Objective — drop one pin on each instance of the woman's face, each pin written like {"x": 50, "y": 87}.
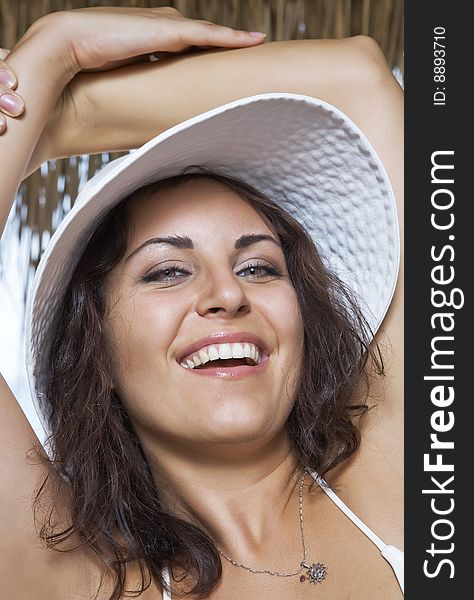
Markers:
{"x": 203, "y": 279}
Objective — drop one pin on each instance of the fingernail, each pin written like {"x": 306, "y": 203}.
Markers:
{"x": 7, "y": 78}
{"x": 257, "y": 34}
{"x": 11, "y": 104}
{"x": 2, "y": 122}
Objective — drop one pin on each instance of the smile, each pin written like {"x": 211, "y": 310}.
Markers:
{"x": 226, "y": 354}
{"x": 232, "y": 354}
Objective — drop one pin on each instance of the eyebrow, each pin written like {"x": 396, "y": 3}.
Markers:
{"x": 176, "y": 241}
{"x": 248, "y": 240}
{"x": 186, "y": 243}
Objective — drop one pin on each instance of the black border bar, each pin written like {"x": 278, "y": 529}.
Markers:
{"x": 439, "y": 430}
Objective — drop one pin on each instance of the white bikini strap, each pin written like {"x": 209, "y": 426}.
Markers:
{"x": 346, "y": 510}
{"x": 166, "y": 576}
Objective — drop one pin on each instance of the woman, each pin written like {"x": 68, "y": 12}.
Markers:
{"x": 249, "y": 511}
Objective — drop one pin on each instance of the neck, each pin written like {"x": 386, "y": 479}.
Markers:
{"x": 240, "y": 495}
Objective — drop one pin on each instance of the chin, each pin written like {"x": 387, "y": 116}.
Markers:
{"x": 239, "y": 422}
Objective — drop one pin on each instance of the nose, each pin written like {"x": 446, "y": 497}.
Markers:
{"x": 222, "y": 295}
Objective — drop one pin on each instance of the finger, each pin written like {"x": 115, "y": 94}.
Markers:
{"x": 11, "y": 104}
{"x": 212, "y": 35}
{"x": 3, "y": 124}
{"x": 7, "y": 75}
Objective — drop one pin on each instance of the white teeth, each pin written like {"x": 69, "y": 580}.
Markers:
{"x": 237, "y": 351}
{"x": 203, "y": 357}
{"x": 225, "y": 350}
{"x": 213, "y": 353}
{"x": 222, "y": 351}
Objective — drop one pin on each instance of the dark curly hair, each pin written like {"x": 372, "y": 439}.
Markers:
{"x": 115, "y": 505}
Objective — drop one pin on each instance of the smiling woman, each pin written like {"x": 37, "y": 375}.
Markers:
{"x": 207, "y": 338}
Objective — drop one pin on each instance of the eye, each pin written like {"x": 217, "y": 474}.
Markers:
{"x": 259, "y": 271}
{"x": 169, "y": 274}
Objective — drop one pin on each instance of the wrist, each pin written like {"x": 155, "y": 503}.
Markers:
{"x": 42, "y": 71}
{"x": 46, "y": 39}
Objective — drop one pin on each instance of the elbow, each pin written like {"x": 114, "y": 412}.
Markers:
{"x": 365, "y": 44}
{"x": 370, "y": 64}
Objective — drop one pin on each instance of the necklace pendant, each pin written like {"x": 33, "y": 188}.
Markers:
{"x": 316, "y": 573}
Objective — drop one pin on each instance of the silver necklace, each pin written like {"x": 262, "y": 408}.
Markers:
{"x": 315, "y": 572}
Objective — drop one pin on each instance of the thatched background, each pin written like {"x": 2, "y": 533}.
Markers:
{"x": 47, "y": 195}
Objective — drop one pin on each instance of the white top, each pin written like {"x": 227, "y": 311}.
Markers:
{"x": 393, "y": 555}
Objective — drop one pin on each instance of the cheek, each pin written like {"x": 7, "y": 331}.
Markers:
{"x": 140, "y": 331}
{"x": 287, "y": 321}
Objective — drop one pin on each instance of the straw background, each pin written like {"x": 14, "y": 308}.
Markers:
{"x": 48, "y": 194}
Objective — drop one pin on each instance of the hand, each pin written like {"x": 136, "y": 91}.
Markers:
{"x": 104, "y": 38}
{"x": 11, "y": 104}
{"x": 101, "y": 39}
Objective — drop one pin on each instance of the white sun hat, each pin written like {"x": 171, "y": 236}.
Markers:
{"x": 303, "y": 153}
